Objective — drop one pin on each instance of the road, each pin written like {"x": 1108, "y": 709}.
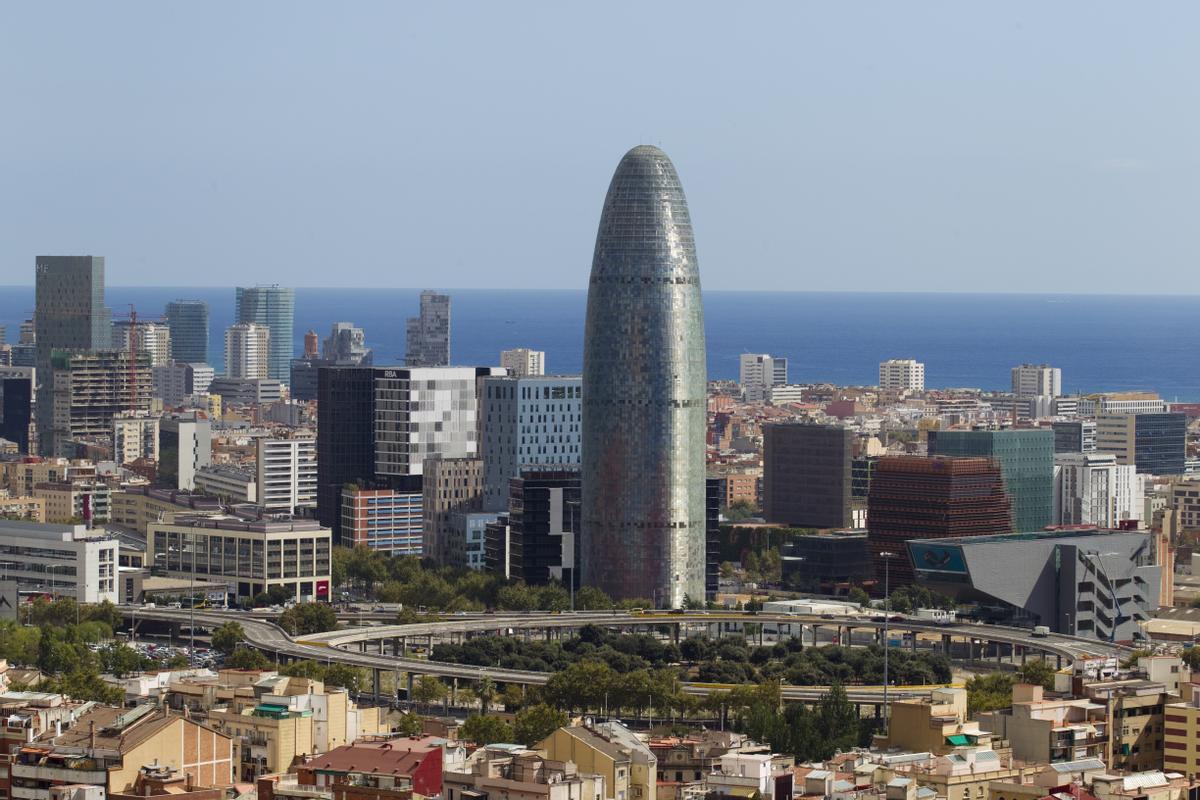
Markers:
{"x": 343, "y": 646}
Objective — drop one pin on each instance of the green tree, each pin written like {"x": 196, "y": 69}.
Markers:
{"x": 553, "y": 597}
{"x": 534, "y": 723}
{"x": 1191, "y": 657}
{"x": 516, "y": 597}
{"x": 1037, "y": 672}
{"x": 483, "y": 730}
{"x": 989, "y": 692}
{"x": 589, "y": 598}
{"x": 728, "y": 571}
{"x": 410, "y": 724}
{"x": 428, "y": 689}
{"x": 352, "y": 679}
{"x": 305, "y": 618}
{"x": 246, "y": 658}
{"x": 487, "y": 694}
{"x": 121, "y": 660}
{"x": 858, "y": 595}
{"x": 513, "y": 697}
{"x": 583, "y": 685}
{"x": 226, "y": 638}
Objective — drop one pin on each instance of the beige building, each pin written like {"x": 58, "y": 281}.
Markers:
{"x": 254, "y": 555}
{"x": 19, "y": 477}
{"x": 1135, "y": 722}
{"x": 1181, "y": 736}
{"x": 32, "y": 509}
{"x": 109, "y": 746}
{"x": 522, "y": 775}
{"x": 137, "y": 507}
{"x": 936, "y": 725}
{"x": 135, "y": 436}
{"x": 1185, "y": 500}
{"x": 1047, "y": 731}
{"x": 451, "y": 486}
{"x": 73, "y": 501}
{"x": 628, "y": 766}
{"x": 962, "y": 775}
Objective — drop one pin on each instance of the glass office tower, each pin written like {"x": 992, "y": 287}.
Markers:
{"x": 188, "y": 321}
{"x": 643, "y": 473}
{"x": 274, "y": 307}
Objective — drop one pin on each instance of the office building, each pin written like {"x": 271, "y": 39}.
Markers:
{"x": 523, "y": 362}
{"x": 931, "y": 498}
{"x": 345, "y": 438}
{"x": 60, "y": 560}
{"x": 253, "y": 555}
{"x": 184, "y": 447}
{"x": 474, "y": 533}
{"x": 287, "y": 473}
{"x": 1026, "y": 458}
{"x": 70, "y": 316}
{"x": 452, "y": 486}
{"x": 272, "y": 307}
{"x": 391, "y": 521}
{"x": 89, "y": 389}
{"x": 1074, "y": 436}
{"x": 429, "y": 332}
{"x": 902, "y": 375}
{"x": 81, "y": 500}
{"x": 151, "y": 338}
{"x": 177, "y": 383}
{"x": 758, "y": 373}
{"x": 248, "y": 351}
{"x": 425, "y": 413}
{"x": 16, "y": 406}
{"x": 807, "y": 475}
{"x": 138, "y": 507}
{"x": 246, "y": 391}
{"x": 1096, "y": 583}
{"x": 527, "y": 422}
{"x": 543, "y": 516}
{"x": 188, "y": 321}
{"x": 135, "y": 436}
{"x": 1036, "y": 380}
{"x": 346, "y": 344}
{"x": 826, "y": 561}
{"x": 1093, "y": 489}
{"x": 1185, "y": 500}
{"x": 644, "y": 392}
{"x": 228, "y": 483}
{"x": 1121, "y": 403}
{"x": 1156, "y": 443}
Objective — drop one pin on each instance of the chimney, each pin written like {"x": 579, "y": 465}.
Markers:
{"x": 92, "y": 734}
{"x": 188, "y": 781}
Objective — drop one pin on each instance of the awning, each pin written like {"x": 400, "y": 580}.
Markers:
{"x": 958, "y": 740}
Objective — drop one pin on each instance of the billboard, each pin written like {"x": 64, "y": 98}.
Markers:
{"x": 9, "y": 600}
{"x": 929, "y": 556}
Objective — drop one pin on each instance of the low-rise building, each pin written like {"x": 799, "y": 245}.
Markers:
{"x": 628, "y": 765}
{"x": 507, "y": 771}
{"x": 229, "y": 483}
{"x": 937, "y": 724}
{"x": 32, "y": 509}
{"x": 136, "y": 507}
{"x": 1047, "y": 731}
{"x": 75, "y": 501}
{"x": 61, "y": 560}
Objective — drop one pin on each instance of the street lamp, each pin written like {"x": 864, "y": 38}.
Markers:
{"x": 887, "y": 645}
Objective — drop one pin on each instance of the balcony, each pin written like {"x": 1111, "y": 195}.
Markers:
{"x": 94, "y": 774}
{"x": 29, "y": 794}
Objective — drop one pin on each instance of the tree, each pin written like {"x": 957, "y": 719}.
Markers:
{"x": 485, "y": 730}
{"x": 1191, "y": 657}
{"x": 516, "y": 597}
{"x": 728, "y": 571}
{"x": 1037, "y": 672}
{"x": 120, "y": 660}
{"x": 589, "y": 598}
{"x": 513, "y": 697}
{"x": 307, "y": 618}
{"x": 410, "y": 724}
{"x": 428, "y": 689}
{"x": 534, "y": 723}
{"x": 245, "y": 658}
{"x": 989, "y": 692}
{"x": 692, "y": 604}
{"x": 859, "y": 595}
{"x": 486, "y": 693}
{"x": 226, "y": 638}
{"x": 352, "y": 679}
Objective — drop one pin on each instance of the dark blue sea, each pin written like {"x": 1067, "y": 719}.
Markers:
{"x": 1101, "y": 342}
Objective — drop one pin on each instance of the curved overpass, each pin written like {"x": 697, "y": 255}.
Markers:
{"x": 349, "y": 646}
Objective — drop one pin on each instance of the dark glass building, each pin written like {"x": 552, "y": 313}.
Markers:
{"x": 16, "y": 410}
{"x": 543, "y": 513}
{"x": 807, "y": 476}
{"x": 931, "y": 498}
{"x": 1074, "y": 436}
{"x": 188, "y": 322}
{"x": 1160, "y": 444}
{"x": 644, "y": 375}
{"x": 345, "y": 437}
{"x": 1026, "y": 459}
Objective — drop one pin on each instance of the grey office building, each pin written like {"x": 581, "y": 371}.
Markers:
{"x": 274, "y": 307}
{"x": 1099, "y": 583}
{"x": 526, "y": 422}
{"x": 1074, "y": 436}
{"x": 429, "y": 332}
{"x": 70, "y": 316}
{"x": 188, "y": 322}
{"x": 644, "y": 405}
{"x": 807, "y": 476}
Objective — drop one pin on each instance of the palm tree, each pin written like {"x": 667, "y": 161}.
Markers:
{"x": 486, "y": 693}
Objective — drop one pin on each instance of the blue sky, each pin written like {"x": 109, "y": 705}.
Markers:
{"x": 1015, "y": 146}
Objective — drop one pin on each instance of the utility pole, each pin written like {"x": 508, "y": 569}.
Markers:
{"x": 887, "y": 644}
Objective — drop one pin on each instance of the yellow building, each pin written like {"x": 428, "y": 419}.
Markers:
{"x": 937, "y": 724}
{"x": 138, "y": 508}
{"x": 1181, "y": 736}
{"x": 629, "y": 767}
{"x": 1135, "y": 722}
{"x": 19, "y": 477}
{"x": 32, "y": 509}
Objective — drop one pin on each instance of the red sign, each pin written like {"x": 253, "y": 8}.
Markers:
{"x": 322, "y": 588}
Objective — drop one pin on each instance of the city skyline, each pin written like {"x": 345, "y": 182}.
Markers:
{"x": 870, "y": 162}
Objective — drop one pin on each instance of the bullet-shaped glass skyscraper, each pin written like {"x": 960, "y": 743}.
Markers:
{"x": 644, "y": 375}
{"x": 188, "y": 321}
{"x": 274, "y": 307}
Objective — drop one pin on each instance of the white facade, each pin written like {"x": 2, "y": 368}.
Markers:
{"x": 1093, "y": 489}
{"x": 1036, "y": 380}
{"x": 185, "y": 445}
{"x": 785, "y": 393}
{"x": 1132, "y": 403}
{"x": 902, "y": 374}
{"x": 287, "y": 473}
{"x": 423, "y": 412}
{"x": 523, "y": 362}
{"x": 152, "y": 338}
{"x": 758, "y": 372}
{"x": 61, "y": 560}
{"x": 475, "y": 527}
{"x": 229, "y": 483}
{"x": 526, "y": 422}
{"x": 134, "y": 437}
{"x": 247, "y": 350}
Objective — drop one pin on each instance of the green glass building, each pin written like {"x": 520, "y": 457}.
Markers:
{"x": 1026, "y": 459}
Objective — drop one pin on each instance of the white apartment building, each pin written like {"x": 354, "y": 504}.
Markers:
{"x": 1093, "y": 489}
{"x": 60, "y": 560}
{"x": 247, "y": 350}
{"x": 785, "y": 393}
{"x": 902, "y": 374}
{"x": 1036, "y": 380}
{"x": 422, "y": 412}
{"x": 758, "y": 372}
{"x": 152, "y": 338}
{"x": 287, "y": 473}
{"x": 526, "y": 422}
{"x": 231, "y": 484}
{"x": 1121, "y": 403}
{"x": 523, "y": 362}
{"x": 134, "y": 436}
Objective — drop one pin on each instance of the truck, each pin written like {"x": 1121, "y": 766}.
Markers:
{"x": 1041, "y": 630}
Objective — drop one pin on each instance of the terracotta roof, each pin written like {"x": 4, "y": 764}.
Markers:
{"x": 103, "y": 719}
{"x": 397, "y": 757}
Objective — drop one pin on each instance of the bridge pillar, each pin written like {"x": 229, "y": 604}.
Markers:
{"x": 362, "y": 646}
{"x": 1024, "y": 652}
{"x": 454, "y": 692}
{"x": 999, "y": 652}
{"x": 1058, "y": 660}
{"x": 377, "y": 684}
{"x": 912, "y": 643}
{"x": 409, "y": 686}
{"x": 946, "y": 644}
{"x": 878, "y": 711}
{"x": 675, "y": 634}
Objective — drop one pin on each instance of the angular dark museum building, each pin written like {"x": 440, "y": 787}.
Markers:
{"x": 644, "y": 375}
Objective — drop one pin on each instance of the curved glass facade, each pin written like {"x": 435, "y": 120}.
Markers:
{"x": 274, "y": 307}
{"x": 188, "y": 321}
{"x": 644, "y": 377}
